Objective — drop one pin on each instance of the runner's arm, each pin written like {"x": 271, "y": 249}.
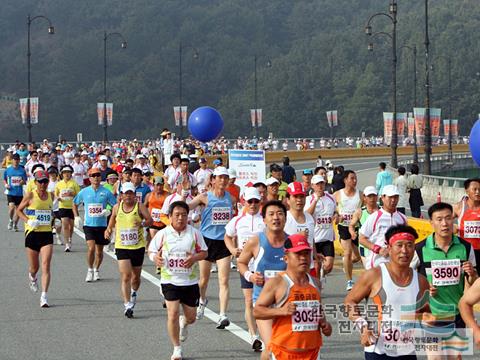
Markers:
{"x": 111, "y": 223}
{"x": 268, "y": 297}
{"x": 466, "y": 304}
{"x": 355, "y": 219}
{"x": 197, "y": 201}
{"x": 145, "y": 215}
{"x": 310, "y": 208}
{"x": 25, "y": 202}
{"x": 248, "y": 252}
{"x": 147, "y": 199}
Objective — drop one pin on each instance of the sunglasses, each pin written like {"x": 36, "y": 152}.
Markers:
{"x": 43, "y": 181}
{"x": 253, "y": 201}
{"x": 95, "y": 175}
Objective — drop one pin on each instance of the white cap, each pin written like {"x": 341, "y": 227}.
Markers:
{"x": 317, "y": 179}
{"x": 232, "y": 173}
{"x": 140, "y": 156}
{"x": 103, "y": 157}
{"x": 183, "y": 156}
{"x": 370, "y": 190}
{"x": 390, "y": 190}
{"x": 128, "y": 186}
{"x": 84, "y": 152}
{"x": 251, "y": 193}
{"x": 220, "y": 170}
{"x": 271, "y": 181}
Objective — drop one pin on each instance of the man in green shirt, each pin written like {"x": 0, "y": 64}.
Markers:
{"x": 447, "y": 261}
{"x": 276, "y": 172}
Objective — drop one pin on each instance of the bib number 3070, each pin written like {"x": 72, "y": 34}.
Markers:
{"x": 306, "y": 316}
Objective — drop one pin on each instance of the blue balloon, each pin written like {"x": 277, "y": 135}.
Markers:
{"x": 205, "y": 123}
{"x": 474, "y": 142}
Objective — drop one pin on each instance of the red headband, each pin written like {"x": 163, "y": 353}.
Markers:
{"x": 401, "y": 236}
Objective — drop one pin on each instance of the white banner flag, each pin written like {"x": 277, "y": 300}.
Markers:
{"x": 176, "y": 114}
{"x": 109, "y": 114}
{"x": 33, "y": 110}
{"x": 100, "y": 112}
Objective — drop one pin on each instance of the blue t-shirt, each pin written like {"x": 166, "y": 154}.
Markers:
{"x": 94, "y": 202}
{"x": 141, "y": 192}
{"x": 13, "y": 177}
{"x": 23, "y": 156}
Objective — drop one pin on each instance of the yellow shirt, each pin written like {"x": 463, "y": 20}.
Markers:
{"x": 128, "y": 234}
{"x": 30, "y": 186}
{"x": 65, "y": 191}
{"x": 40, "y": 210}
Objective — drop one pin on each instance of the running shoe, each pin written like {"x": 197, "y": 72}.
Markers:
{"x": 159, "y": 271}
{"x": 177, "y": 353}
{"x": 58, "y": 239}
{"x": 256, "y": 343}
{"x": 129, "y": 313}
{"x": 33, "y": 285}
{"x": 214, "y": 268}
{"x": 68, "y": 247}
{"x": 201, "y": 309}
{"x": 133, "y": 298}
{"x": 96, "y": 275}
{"x": 183, "y": 328}
{"x": 222, "y": 322}
{"x": 10, "y": 225}
{"x": 349, "y": 285}
{"x": 44, "y": 301}
{"x": 233, "y": 266}
{"x": 15, "y": 227}
{"x": 89, "y": 277}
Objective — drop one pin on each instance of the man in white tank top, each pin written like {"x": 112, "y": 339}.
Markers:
{"x": 348, "y": 199}
{"x": 393, "y": 286}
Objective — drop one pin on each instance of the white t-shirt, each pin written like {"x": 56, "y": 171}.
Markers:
{"x": 323, "y": 214}
{"x": 175, "y": 248}
{"x": 171, "y": 171}
{"x": 193, "y": 215}
{"x": 374, "y": 228}
{"x": 202, "y": 176}
{"x": 292, "y": 227}
{"x": 79, "y": 172}
{"x": 401, "y": 184}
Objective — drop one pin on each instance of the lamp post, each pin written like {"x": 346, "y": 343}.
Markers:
{"x": 268, "y": 64}
{"x": 392, "y": 16}
{"x": 427, "y": 168}
{"x": 414, "y": 51}
{"x": 106, "y": 36}
{"x": 51, "y": 31}
{"x": 449, "y": 70}
{"x": 180, "y": 75}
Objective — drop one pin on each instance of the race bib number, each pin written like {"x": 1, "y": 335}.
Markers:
{"x": 129, "y": 237}
{"x": 324, "y": 222}
{"x": 44, "y": 217}
{"x": 446, "y": 272}
{"x": 471, "y": 230}
{"x": 220, "y": 215}
{"x": 138, "y": 195}
{"x": 347, "y": 218}
{"x": 398, "y": 337}
{"x": 16, "y": 181}
{"x": 306, "y": 316}
{"x": 66, "y": 194}
{"x": 176, "y": 263}
{"x": 95, "y": 210}
{"x": 156, "y": 215}
{"x": 270, "y": 274}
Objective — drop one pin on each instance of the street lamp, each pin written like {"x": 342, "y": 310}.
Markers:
{"x": 268, "y": 65}
{"x": 414, "y": 51}
{"x": 449, "y": 69}
{"x": 392, "y": 16}
{"x": 106, "y": 36}
{"x": 427, "y": 167}
{"x": 51, "y": 31}
{"x": 196, "y": 55}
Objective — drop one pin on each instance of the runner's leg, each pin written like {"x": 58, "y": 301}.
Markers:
{"x": 265, "y": 331}
{"x": 33, "y": 262}
{"x": 223, "y": 266}
{"x": 205, "y": 267}
{"x": 136, "y": 278}
{"x": 252, "y": 326}
{"x": 90, "y": 253}
{"x": 125, "y": 268}
{"x": 173, "y": 310}
{"x": 46, "y": 257}
{"x": 347, "y": 258}
{"x": 98, "y": 256}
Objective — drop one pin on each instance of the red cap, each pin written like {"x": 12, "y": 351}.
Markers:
{"x": 296, "y": 243}
{"x": 295, "y": 188}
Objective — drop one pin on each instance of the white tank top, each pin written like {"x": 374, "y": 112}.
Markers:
{"x": 398, "y": 317}
{"x": 347, "y": 206}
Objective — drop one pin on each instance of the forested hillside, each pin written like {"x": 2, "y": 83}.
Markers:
{"x": 318, "y": 51}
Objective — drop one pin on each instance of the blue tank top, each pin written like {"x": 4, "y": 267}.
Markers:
{"x": 268, "y": 262}
{"x": 215, "y": 216}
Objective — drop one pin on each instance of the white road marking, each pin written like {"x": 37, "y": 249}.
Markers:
{"x": 233, "y": 328}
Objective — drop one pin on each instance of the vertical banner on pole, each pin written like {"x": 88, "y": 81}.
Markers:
{"x": 176, "y": 114}
{"x": 259, "y": 117}
{"x": 34, "y": 110}
{"x": 454, "y": 128}
{"x": 419, "y": 115}
{"x": 100, "y": 114}
{"x": 401, "y": 121}
{"x": 23, "y": 109}
{"x": 252, "y": 117}
{"x": 387, "y": 127}
{"x": 184, "y": 116}
{"x": 329, "y": 119}
{"x": 109, "y": 114}
{"x": 334, "y": 118}
{"x": 446, "y": 127}
{"x": 411, "y": 125}
{"x": 435, "y": 117}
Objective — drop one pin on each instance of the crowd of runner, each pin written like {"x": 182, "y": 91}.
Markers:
{"x": 190, "y": 219}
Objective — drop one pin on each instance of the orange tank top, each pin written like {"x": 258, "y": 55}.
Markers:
{"x": 299, "y": 333}
{"x": 469, "y": 225}
{"x": 155, "y": 204}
